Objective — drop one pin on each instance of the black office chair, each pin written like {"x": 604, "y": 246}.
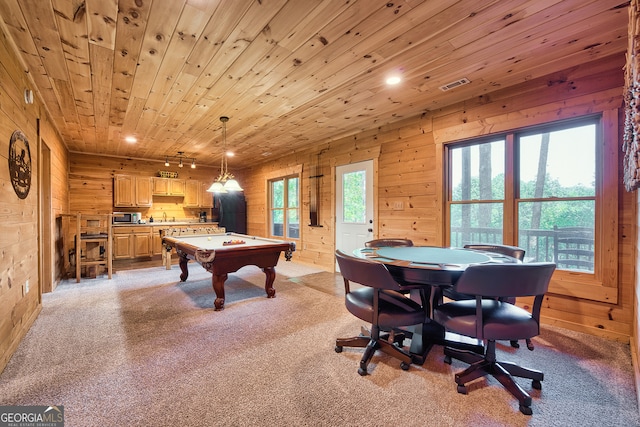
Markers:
{"x": 512, "y": 251}
{"x": 378, "y": 302}
{"x": 489, "y": 318}
{"x": 379, "y": 243}
{"x": 398, "y": 335}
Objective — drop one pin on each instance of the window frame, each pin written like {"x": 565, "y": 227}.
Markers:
{"x": 602, "y": 284}
{"x": 285, "y": 207}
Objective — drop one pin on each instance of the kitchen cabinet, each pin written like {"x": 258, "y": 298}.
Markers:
{"x": 206, "y": 198}
{"x": 132, "y": 242}
{"x": 196, "y": 195}
{"x": 143, "y": 191}
{"x": 131, "y": 191}
{"x": 192, "y": 194}
{"x": 168, "y": 187}
{"x": 141, "y": 244}
{"x": 123, "y": 191}
{"x": 122, "y": 246}
{"x": 156, "y": 241}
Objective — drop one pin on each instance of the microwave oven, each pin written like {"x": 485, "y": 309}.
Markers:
{"x": 126, "y": 217}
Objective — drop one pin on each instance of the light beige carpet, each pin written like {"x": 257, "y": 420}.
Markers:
{"x": 144, "y": 349}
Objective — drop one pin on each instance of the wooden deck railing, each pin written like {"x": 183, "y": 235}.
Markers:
{"x": 538, "y": 244}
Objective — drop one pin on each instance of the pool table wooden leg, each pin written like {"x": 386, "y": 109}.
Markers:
{"x": 270, "y": 272}
{"x": 183, "y": 267}
{"x": 166, "y": 257}
{"x": 217, "y": 281}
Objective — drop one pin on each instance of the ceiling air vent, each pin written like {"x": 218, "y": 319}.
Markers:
{"x": 452, "y": 85}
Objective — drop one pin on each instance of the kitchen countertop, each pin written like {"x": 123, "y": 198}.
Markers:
{"x": 168, "y": 224}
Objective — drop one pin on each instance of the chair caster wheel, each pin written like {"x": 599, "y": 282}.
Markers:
{"x": 338, "y": 349}
{"x": 515, "y": 344}
{"x": 362, "y": 372}
{"x": 447, "y": 360}
{"x": 526, "y": 410}
{"x": 462, "y": 389}
{"x": 404, "y": 366}
{"x": 536, "y": 384}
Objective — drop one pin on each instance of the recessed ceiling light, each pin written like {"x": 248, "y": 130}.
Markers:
{"x": 393, "y": 80}
{"x": 131, "y": 139}
{"x": 230, "y": 154}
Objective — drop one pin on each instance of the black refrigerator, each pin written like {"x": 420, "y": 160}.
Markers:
{"x": 231, "y": 212}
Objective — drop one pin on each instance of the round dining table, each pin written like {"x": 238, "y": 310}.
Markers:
{"x": 421, "y": 270}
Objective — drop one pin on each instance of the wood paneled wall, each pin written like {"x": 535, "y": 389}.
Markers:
{"x": 19, "y": 218}
{"x": 59, "y": 183}
{"x": 409, "y": 159}
{"x": 91, "y": 184}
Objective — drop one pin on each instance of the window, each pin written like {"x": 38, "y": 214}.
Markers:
{"x": 477, "y": 193}
{"x": 284, "y": 205}
{"x": 557, "y": 189}
{"x": 541, "y": 189}
{"x": 354, "y": 207}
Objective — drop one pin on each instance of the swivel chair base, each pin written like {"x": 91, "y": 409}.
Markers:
{"x": 392, "y": 347}
{"x": 504, "y": 372}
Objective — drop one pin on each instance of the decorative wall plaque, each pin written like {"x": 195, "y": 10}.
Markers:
{"x": 20, "y": 164}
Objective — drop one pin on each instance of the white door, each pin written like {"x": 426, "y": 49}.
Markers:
{"x": 354, "y": 205}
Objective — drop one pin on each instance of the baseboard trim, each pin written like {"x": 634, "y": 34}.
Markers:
{"x": 603, "y": 333}
{"x": 5, "y": 358}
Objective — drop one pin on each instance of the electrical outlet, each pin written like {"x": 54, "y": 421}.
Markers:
{"x": 398, "y": 205}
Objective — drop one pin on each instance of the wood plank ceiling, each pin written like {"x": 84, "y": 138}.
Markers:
{"x": 287, "y": 73}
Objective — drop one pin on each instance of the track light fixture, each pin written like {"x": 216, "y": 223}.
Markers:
{"x": 180, "y": 157}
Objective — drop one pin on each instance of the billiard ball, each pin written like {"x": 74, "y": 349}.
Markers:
{"x": 208, "y": 238}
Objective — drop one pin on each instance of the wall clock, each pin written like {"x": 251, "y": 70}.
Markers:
{"x": 20, "y": 164}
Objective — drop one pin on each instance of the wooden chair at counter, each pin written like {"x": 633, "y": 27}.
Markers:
{"x": 94, "y": 237}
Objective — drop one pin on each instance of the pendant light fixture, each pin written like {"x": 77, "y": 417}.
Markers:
{"x": 225, "y": 182}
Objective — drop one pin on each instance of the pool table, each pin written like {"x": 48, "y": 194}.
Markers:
{"x": 225, "y": 253}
